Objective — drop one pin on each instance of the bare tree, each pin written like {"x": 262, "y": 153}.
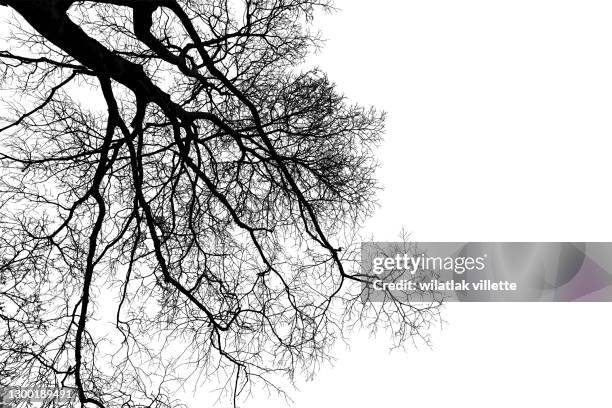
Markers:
{"x": 178, "y": 199}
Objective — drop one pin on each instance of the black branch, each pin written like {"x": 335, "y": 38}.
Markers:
{"x": 179, "y": 200}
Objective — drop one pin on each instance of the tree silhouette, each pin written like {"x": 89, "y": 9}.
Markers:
{"x": 179, "y": 199}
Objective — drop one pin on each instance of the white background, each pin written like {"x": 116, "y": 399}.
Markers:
{"x": 500, "y": 121}
{"x": 500, "y": 117}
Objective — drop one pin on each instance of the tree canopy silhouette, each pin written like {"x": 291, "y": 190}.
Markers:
{"x": 179, "y": 198}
